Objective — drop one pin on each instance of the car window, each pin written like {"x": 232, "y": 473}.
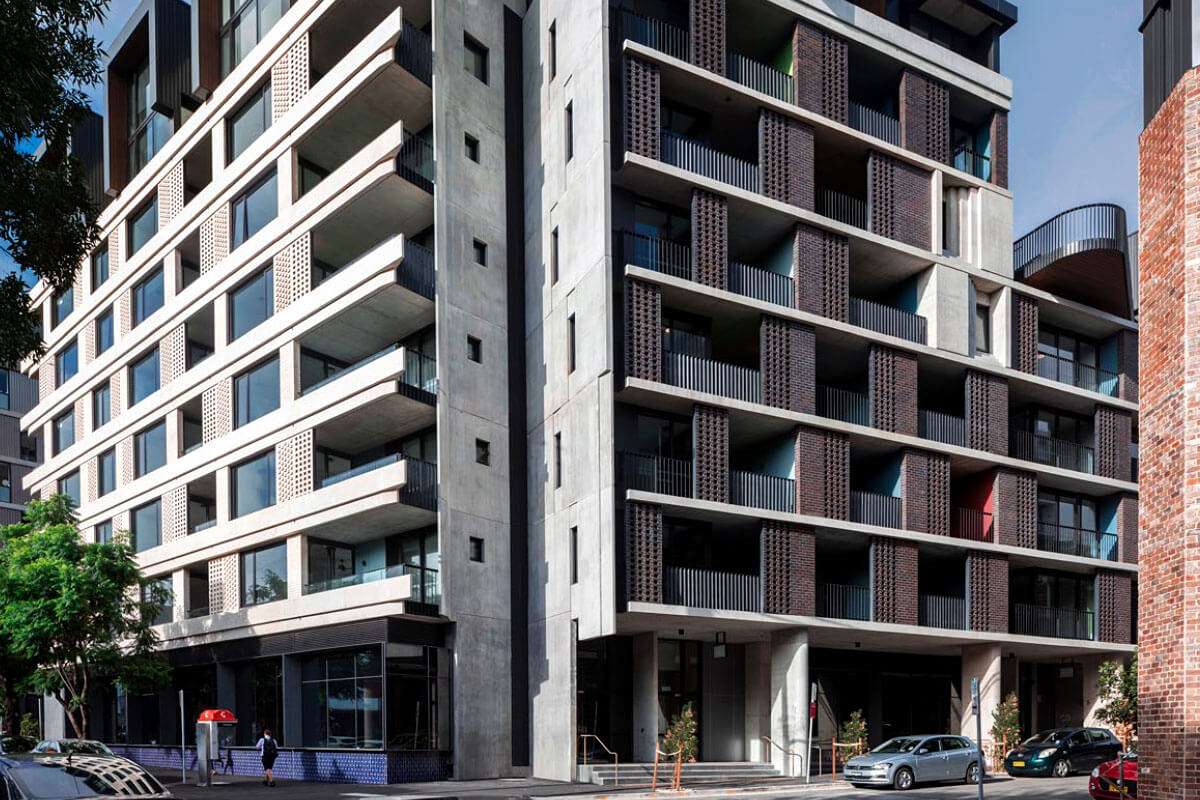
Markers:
{"x": 1046, "y": 737}
{"x": 901, "y": 744}
{"x": 1079, "y": 737}
{"x": 1098, "y": 737}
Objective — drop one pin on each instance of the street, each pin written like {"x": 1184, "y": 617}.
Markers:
{"x": 1074, "y": 787}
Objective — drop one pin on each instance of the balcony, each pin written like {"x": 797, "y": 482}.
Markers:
{"x": 705, "y": 588}
{"x": 416, "y": 271}
{"x": 838, "y": 601}
{"x": 1068, "y": 541}
{"x": 887, "y": 320}
{"x": 844, "y": 405}
{"x": 415, "y": 163}
{"x": 414, "y": 52}
{"x": 1058, "y": 623}
{"x": 939, "y": 427}
{"x": 874, "y": 123}
{"x": 758, "y": 76}
{"x": 1073, "y": 373}
{"x": 655, "y": 34}
{"x": 712, "y": 377}
{"x": 658, "y": 474}
{"x": 870, "y": 508}
{"x": 967, "y": 160}
{"x": 420, "y": 373}
{"x": 761, "y": 284}
{"x": 694, "y": 156}
{"x": 940, "y": 611}
{"x": 762, "y": 491}
{"x": 1050, "y": 451}
{"x": 660, "y": 255}
{"x": 420, "y": 489}
{"x": 842, "y": 207}
{"x": 972, "y": 524}
{"x": 424, "y": 581}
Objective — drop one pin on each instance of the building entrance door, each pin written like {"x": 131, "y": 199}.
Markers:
{"x": 679, "y": 677}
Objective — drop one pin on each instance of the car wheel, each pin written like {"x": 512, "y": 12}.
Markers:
{"x": 973, "y": 774}
{"x": 1062, "y": 768}
{"x": 903, "y": 779}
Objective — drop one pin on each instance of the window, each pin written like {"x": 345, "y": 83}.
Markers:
{"x": 552, "y": 47}
{"x": 983, "y": 328}
{"x": 256, "y": 392}
{"x": 341, "y": 694}
{"x": 104, "y": 532}
{"x": 329, "y": 565}
{"x": 101, "y": 405}
{"x": 99, "y": 267}
{"x": 471, "y": 145}
{"x": 569, "y": 130}
{"x": 69, "y": 485}
{"x": 104, "y": 332}
{"x": 64, "y": 431}
{"x": 253, "y": 209}
{"x": 145, "y": 526}
{"x": 571, "y": 344}
{"x": 158, "y": 593}
{"x": 476, "y": 549}
{"x": 5, "y": 401}
{"x": 554, "y": 256}
{"x": 243, "y": 24}
{"x": 143, "y": 377}
{"x": 251, "y": 303}
{"x": 479, "y": 250}
{"x": 574, "y": 554}
{"x": 249, "y": 121}
{"x": 147, "y": 296}
{"x": 62, "y": 305}
{"x": 28, "y": 447}
{"x": 475, "y": 58}
{"x": 149, "y": 449}
{"x": 253, "y": 484}
{"x": 5, "y": 482}
{"x": 66, "y": 363}
{"x": 483, "y": 452}
{"x": 143, "y": 225}
{"x": 558, "y": 460}
{"x": 310, "y": 175}
{"x": 474, "y": 349}
{"x": 106, "y": 472}
{"x": 148, "y": 130}
{"x": 264, "y": 575}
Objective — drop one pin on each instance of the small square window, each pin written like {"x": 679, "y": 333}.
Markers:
{"x": 983, "y": 328}
{"x": 475, "y": 349}
{"x": 471, "y": 145}
{"x": 483, "y": 452}
{"x": 475, "y": 58}
{"x": 476, "y": 551}
{"x": 479, "y": 249}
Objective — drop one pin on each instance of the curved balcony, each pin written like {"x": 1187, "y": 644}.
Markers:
{"x": 1080, "y": 254}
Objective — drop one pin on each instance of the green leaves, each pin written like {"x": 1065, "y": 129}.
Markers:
{"x": 1117, "y": 685}
{"x": 1006, "y": 721}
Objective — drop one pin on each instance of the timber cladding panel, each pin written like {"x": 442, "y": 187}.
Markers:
{"x": 898, "y": 197}
{"x": 710, "y": 448}
{"x": 1014, "y": 508}
{"x": 642, "y": 102}
{"x": 643, "y": 330}
{"x": 1114, "y": 432}
{"x": 986, "y": 405}
{"x": 788, "y": 554}
{"x": 925, "y": 492}
{"x": 643, "y": 553}
{"x": 987, "y": 592}
{"x": 707, "y": 18}
{"x": 1114, "y": 614}
{"x": 892, "y": 385}
{"x": 785, "y": 159}
{"x": 925, "y": 116}
{"x": 822, "y": 473}
{"x": 893, "y": 581}
{"x": 710, "y": 239}
{"x": 821, "y": 264}
{"x": 789, "y": 364}
{"x": 1024, "y": 333}
{"x": 821, "y": 81}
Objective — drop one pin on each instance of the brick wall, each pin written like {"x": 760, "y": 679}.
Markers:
{"x": 643, "y": 330}
{"x": 1127, "y": 366}
{"x": 821, "y": 71}
{"x": 785, "y": 159}
{"x": 892, "y": 389}
{"x": 821, "y": 266}
{"x": 822, "y": 473}
{"x": 1014, "y": 508}
{"x": 710, "y": 239}
{"x": 788, "y": 568}
{"x": 642, "y": 104}
{"x": 986, "y": 406}
{"x": 708, "y": 34}
{"x": 1024, "y": 333}
{"x": 998, "y": 133}
{"x": 925, "y": 492}
{"x": 893, "y": 581}
{"x": 925, "y": 116}
{"x": 789, "y": 364}
{"x": 1114, "y": 432}
{"x": 710, "y": 449}
{"x": 1114, "y": 617}
{"x": 1127, "y": 527}
{"x": 643, "y": 553}
{"x": 898, "y": 198}
{"x": 987, "y": 592}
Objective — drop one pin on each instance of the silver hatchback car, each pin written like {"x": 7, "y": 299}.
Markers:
{"x": 904, "y": 761}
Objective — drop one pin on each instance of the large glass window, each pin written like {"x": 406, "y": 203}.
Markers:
{"x": 64, "y": 431}
{"x": 62, "y": 305}
{"x": 250, "y": 121}
{"x": 143, "y": 377}
{"x": 148, "y": 130}
{"x": 256, "y": 392}
{"x": 104, "y": 332}
{"x": 148, "y": 296}
{"x": 264, "y": 575}
{"x": 159, "y": 592}
{"x": 104, "y": 532}
{"x": 413, "y": 709}
{"x": 243, "y": 24}
{"x": 329, "y": 565}
{"x": 145, "y": 526}
{"x": 143, "y": 225}
{"x": 342, "y": 699}
{"x": 5, "y": 482}
{"x": 253, "y": 209}
{"x": 69, "y": 485}
{"x": 99, "y": 267}
{"x": 106, "y": 472}
{"x": 66, "y": 363}
{"x": 149, "y": 449}
{"x": 101, "y": 405}
{"x": 253, "y": 484}
{"x": 1068, "y": 358}
{"x": 251, "y": 303}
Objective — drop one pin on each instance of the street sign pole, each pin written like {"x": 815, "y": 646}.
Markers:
{"x": 812, "y": 714}
{"x": 182, "y": 742}
{"x": 978, "y": 731}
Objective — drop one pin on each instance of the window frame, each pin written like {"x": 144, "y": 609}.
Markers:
{"x": 248, "y": 375}
{"x": 476, "y": 59}
{"x": 266, "y": 275}
{"x": 63, "y": 487}
{"x": 239, "y": 229}
{"x": 64, "y": 297}
{"x": 61, "y": 362}
{"x": 133, "y": 525}
{"x": 151, "y": 356}
{"x": 100, "y": 256}
{"x": 148, "y": 210}
{"x": 111, "y": 473}
{"x": 250, "y": 575}
{"x": 260, "y": 98}
{"x": 142, "y": 463}
{"x": 139, "y": 310}
{"x": 267, "y": 455}
{"x": 102, "y": 322}
{"x": 105, "y": 390}
{"x": 56, "y": 430}
{"x": 6, "y": 490}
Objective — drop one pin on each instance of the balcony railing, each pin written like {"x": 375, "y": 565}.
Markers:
{"x": 421, "y": 485}
{"x": 842, "y": 207}
{"x": 654, "y": 33}
{"x": 939, "y": 427}
{"x": 417, "y": 271}
{"x": 414, "y": 52}
{"x": 757, "y": 490}
{"x": 415, "y": 163}
{"x": 939, "y": 611}
{"x": 977, "y": 164}
{"x": 761, "y": 284}
{"x": 203, "y": 526}
{"x": 874, "y": 123}
{"x": 195, "y": 612}
{"x": 1100, "y": 226}
{"x": 420, "y": 372}
{"x": 1073, "y": 373}
{"x": 660, "y": 255}
{"x": 973, "y": 524}
{"x": 712, "y": 377}
{"x": 1052, "y": 452}
{"x": 658, "y": 474}
{"x": 838, "y": 601}
{"x": 705, "y": 588}
{"x": 870, "y": 508}
{"x": 391, "y": 348}
{"x": 1070, "y": 541}
{"x": 758, "y": 76}
{"x": 844, "y": 405}
{"x": 424, "y": 583}
{"x": 887, "y": 320}
{"x": 685, "y": 153}
{"x": 1060, "y": 623}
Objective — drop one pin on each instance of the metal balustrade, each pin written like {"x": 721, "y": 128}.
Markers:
{"x": 1099, "y": 226}
{"x": 654, "y": 33}
{"x": 870, "y": 508}
{"x": 414, "y": 52}
{"x": 415, "y": 163}
{"x": 758, "y": 490}
{"x": 761, "y": 284}
{"x": 887, "y": 320}
{"x": 1071, "y": 541}
{"x": 694, "y": 156}
{"x": 712, "y": 377}
{"x": 973, "y": 524}
{"x": 652, "y": 252}
{"x": 1050, "y": 451}
{"x": 844, "y": 405}
{"x": 424, "y": 581}
{"x": 707, "y": 588}
{"x": 940, "y": 427}
{"x": 842, "y": 207}
{"x": 1059, "y": 623}
{"x": 1073, "y": 373}
{"x": 659, "y": 474}
{"x": 421, "y": 485}
{"x": 416, "y": 271}
{"x": 838, "y": 601}
{"x": 940, "y": 611}
{"x": 874, "y": 123}
{"x": 420, "y": 372}
{"x": 967, "y": 160}
{"x": 758, "y": 76}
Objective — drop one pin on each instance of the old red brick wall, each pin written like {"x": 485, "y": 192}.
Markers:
{"x": 789, "y": 568}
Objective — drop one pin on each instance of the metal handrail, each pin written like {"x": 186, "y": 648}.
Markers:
{"x": 616, "y": 758}
{"x": 788, "y": 753}
{"x": 676, "y": 778}
{"x": 1094, "y": 226}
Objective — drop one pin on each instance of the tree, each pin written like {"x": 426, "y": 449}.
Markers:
{"x": 14, "y": 672}
{"x": 681, "y": 734}
{"x": 1117, "y": 685}
{"x": 47, "y": 217}
{"x": 80, "y": 611}
{"x": 1006, "y": 722}
{"x": 854, "y": 729}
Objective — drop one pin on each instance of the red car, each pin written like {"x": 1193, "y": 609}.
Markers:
{"x": 1103, "y": 784}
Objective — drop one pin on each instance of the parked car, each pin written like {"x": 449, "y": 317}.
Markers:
{"x": 87, "y": 747}
{"x": 1062, "y": 751}
{"x": 40, "y": 776}
{"x": 904, "y": 761}
{"x": 1103, "y": 784}
{"x": 16, "y": 744}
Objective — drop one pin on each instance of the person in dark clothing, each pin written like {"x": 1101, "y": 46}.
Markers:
{"x": 268, "y": 748}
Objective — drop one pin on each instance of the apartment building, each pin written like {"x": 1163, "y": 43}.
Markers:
{"x": 18, "y": 453}
{"x": 488, "y": 379}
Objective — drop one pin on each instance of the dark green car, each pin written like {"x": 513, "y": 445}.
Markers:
{"x": 1062, "y": 751}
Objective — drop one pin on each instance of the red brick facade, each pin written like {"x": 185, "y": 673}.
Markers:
{"x": 789, "y": 364}
{"x": 710, "y": 239}
{"x": 892, "y": 382}
{"x": 643, "y": 330}
{"x": 710, "y": 436}
{"x": 708, "y": 34}
{"x": 642, "y": 108}
{"x": 898, "y": 200}
{"x": 643, "y": 553}
{"x": 893, "y": 581}
{"x": 987, "y": 592}
{"x": 925, "y": 492}
{"x": 789, "y": 563}
{"x": 822, "y": 473}
{"x": 821, "y": 264}
{"x": 822, "y": 75}
{"x": 925, "y": 116}
{"x": 785, "y": 159}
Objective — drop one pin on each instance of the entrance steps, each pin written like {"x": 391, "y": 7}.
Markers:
{"x": 732, "y": 772}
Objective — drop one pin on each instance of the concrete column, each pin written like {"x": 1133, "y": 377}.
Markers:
{"x": 1091, "y": 689}
{"x": 220, "y": 319}
{"x": 789, "y": 699}
{"x": 180, "y": 592}
{"x": 223, "y": 498}
{"x": 288, "y": 179}
{"x": 982, "y": 662}
{"x": 295, "y": 565}
{"x": 293, "y": 730}
{"x": 758, "y": 700}
{"x": 943, "y": 298}
{"x": 645, "y": 697}
{"x": 289, "y": 373}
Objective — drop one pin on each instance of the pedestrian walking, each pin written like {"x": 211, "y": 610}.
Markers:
{"x": 268, "y": 748}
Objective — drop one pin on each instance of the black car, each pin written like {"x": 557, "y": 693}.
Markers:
{"x": 1062, "y": 751}
{"x": 16, "y": 744}
{"x": 66, "y": 777}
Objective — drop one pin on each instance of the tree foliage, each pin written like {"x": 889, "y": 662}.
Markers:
{"x": 1006, "y": 722}
{"x": 681, "y": 734}
{"x": 854, "y": 729}
{"x": 80, "y": 612}
{"x": 1117, "y": 685}
{"x": 47, "y": 218}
